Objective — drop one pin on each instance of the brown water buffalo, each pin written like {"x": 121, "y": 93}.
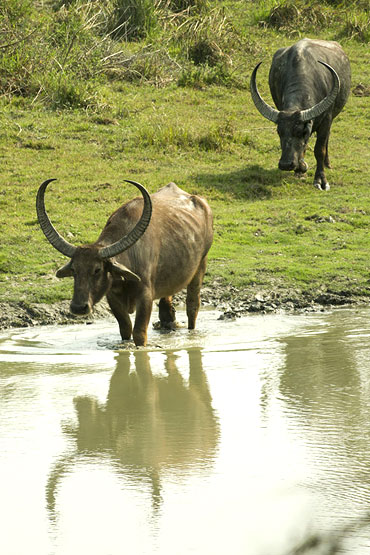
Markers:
{"x": 150, "y": 248}
{"x": 309, "y": 83}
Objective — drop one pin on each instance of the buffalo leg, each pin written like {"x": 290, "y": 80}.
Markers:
{"x": 321, "y": 155}
{"x": 167, "y": 313}
{"x": 193, "y": 294}
{"x": 143, "y": 311}
{"x": 119, "y": 309}
{"x": 327, "y": 161}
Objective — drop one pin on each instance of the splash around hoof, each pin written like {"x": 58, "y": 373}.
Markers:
{"x": 172, "y": 326}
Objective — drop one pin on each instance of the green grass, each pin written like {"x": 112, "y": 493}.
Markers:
{"x": 202, "y": 132}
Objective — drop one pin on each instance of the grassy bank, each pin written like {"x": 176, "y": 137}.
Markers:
{"x": 170, "y": 102}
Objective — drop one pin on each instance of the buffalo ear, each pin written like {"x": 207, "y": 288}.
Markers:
{"x": 65, "y": 271}
{"x": 117, "y": 269}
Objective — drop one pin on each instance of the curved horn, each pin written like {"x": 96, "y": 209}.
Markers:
{"x": 264, "y": 109}
{"x": 47, "y": 227}
{"x": 326, "y": 102}
{"x": 128, "y": 240}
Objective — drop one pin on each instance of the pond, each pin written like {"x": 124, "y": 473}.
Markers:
{"x": 241, "y": 437}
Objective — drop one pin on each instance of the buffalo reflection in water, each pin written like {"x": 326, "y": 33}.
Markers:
{"x": 150, "y": 424}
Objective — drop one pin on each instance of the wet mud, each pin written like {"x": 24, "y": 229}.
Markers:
{"x": 229, "y": 300}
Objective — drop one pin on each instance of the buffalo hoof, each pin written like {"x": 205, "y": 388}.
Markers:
{"x": 321, "y": 186}
{"x": 165, "y": 325}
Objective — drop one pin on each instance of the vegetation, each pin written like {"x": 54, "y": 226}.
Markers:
{"x": 157, "y": 91}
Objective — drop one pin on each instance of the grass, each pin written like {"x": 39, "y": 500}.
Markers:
{"x": 192, "y": 123}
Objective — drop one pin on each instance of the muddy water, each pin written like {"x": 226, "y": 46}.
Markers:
{"x": 239, "y": 438}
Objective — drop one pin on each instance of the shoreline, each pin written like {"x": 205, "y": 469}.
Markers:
{"x": 229, "y": 300}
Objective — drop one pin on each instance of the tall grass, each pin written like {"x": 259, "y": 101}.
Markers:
{"x": 357, "y": 26}
{"x": 181, "y": 5}
{"x": 133, "y": 19}
{"x": 172, "y": 137}
{"x": 294, "y": 16}
{"x": 50, "y": 57}
{"x": 60, "y": 53}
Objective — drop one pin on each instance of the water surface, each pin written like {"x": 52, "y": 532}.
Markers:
{"x": 240, "y": 437}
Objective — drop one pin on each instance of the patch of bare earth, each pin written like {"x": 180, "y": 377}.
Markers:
{"x": 229, "y": 300}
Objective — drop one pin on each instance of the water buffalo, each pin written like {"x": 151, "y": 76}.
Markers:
{"x": 134, "y": 264}
{"x": 309, "y": 83}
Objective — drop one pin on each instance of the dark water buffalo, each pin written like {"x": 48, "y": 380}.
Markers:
{"x": 309, "y": 83}
{"x": 150, "y": 248}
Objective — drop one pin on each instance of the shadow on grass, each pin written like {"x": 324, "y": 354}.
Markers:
{"x": 250, "y": 183}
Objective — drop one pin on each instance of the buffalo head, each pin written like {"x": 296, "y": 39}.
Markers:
{"x": 294, "y": 133}
{"x": 93, "y": 267}
{"x": 294, "y": 126}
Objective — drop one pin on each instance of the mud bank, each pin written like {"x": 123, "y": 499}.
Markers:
{"x": 229, "y": 300}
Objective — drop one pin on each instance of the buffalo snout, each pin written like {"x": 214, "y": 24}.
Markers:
{"x": 80, "y": 309}
{"x": 286, "y": 166}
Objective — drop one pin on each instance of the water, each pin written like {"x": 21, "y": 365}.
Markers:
{"x": 241, "y": 437}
